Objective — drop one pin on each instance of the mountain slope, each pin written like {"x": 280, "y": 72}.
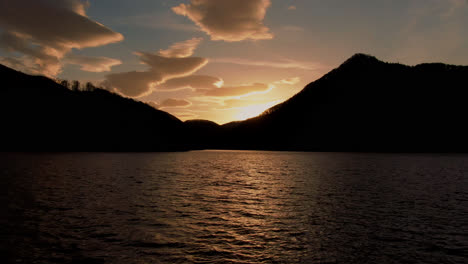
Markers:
{"x": 363, "y": 105}
{"x": 366, "y": 105}
{"x": 39, "y": 114}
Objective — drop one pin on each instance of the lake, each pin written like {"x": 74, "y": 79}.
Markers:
{"x": 233, "y": 207}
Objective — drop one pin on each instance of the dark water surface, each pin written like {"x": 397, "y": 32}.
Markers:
{"x": 234, "y": 207}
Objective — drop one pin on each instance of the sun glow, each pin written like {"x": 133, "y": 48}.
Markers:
{"x": 253, "y": 110}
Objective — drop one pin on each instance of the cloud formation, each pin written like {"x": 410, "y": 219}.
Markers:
{"x": 35, "y": 60}
{"x": 194, "y": 82}
{"x": 186, "y": 115}
{"x": 141, "y": 83}
{"x": 239, "y": 90}
{"x": 92, "y": 64}
{"x": 228, "y": 20}
{"x": 175, "y": 103}
{"x": 292, "y": 7}
{"x": 281, "y": 64}
{"x": 171, "y": 67}
{"x": 132, "y": 84}
{"x": 289, "y": 81}
{"x": 181, "y": 49}
{"x": 43, "y": 31}
{"x": 153, "y": 104}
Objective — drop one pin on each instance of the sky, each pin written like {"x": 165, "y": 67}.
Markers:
{"x": 222, "y": 60}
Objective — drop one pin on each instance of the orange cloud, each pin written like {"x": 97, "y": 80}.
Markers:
{"x": 132, "y": 84}
{"x": 43, "y": 31}
{"x": 181, "y": 49}
{"x": 239, "y": 90}
{"x": 186, "y": 115}
{"x": 35, "y": 60}
{"x": 141, "y": 83}
{"x": 172, "y": 67}
{"x": 92, "y": 64}
{"x": 175, "y": 103}
{"x": 228, "y": 20}
{"x": 170, "y": 103}
{"x": 289, "y": 81}
{"x": 282, "y": 64}
{"x": 235, "y": 103}
{"x": 153, "y": 104}
{"x": 195, "y": 82}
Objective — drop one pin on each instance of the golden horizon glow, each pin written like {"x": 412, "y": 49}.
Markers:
{"x": 253, "y": 110}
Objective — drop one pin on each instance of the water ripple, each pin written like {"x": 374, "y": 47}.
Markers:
{"x": 234, "y": 207}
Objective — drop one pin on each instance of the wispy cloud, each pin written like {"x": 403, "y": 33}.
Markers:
{"x": 236, "y": 91}
{"x": 92, "y": 64}
{"x": 161, "y": 68}
{"x": 289, "y": 81}
{"x": 175, "y": 103}
{"x": 153, "y": 104}
{"x": 186, "y": 115}
{"x": 283, "y": 64}
{"x": 181, "y": 49}
{"x": 194, "y": 82}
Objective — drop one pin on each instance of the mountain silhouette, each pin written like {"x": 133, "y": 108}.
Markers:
{"x": 363, "y": 105}
{"x": 366, "y": 105}
{"x": 38, "y": 114}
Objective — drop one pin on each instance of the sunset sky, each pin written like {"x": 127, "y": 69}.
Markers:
{"x": 222, "y": 60}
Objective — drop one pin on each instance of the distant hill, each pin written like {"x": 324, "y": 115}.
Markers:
{"x": 363, "y": 105}
{"x": 366, "y": 105}
{"x": 203, "y": 133}
{"x": 38, "y": 114}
